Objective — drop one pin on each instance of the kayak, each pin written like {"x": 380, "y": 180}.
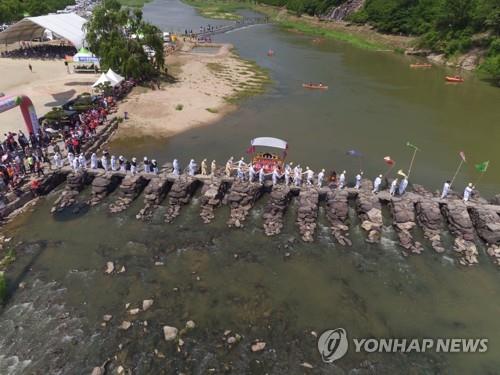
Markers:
{"x": 318, "y": 86}
{"x": 455, "y": 79}
{"x": 420, "y": 65}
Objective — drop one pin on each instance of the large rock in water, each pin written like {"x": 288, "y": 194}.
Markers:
{"x": 154, "y": 193}
{"x": 275, "y": 208}
{"x": 307, "y": 213}
{"x": 487, "y": 223}
{"x": 370, "y": 212}
{"x": 430, "y": 220}
{"x": 403, "y": 221}
{"x": 461, "y": 227}
{"x": 337, "y": 212}
{"x": 211, "y": 197}
{"x": 180, "y": 194}
{"x": 170, "y": 333}
{"x": 241, "y": 199}
{"x": 129, "y": 190}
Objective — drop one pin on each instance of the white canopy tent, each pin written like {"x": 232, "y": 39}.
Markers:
{"x": 114, "y": 76}
{"x": 269, "y": 142}
{"x": 103, "y": 79}
{"x": 68, "y": 26}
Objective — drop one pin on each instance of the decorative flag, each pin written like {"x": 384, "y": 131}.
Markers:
{"x": 401, "y": 173}
{"x": 251, "y": 150}
{"x": 412, "y": 146}
{"x": 462, "y": 155}
{"x": 482, "y": 167}
{"x": 389, "y": 161}
{"x": 354, "y": 153}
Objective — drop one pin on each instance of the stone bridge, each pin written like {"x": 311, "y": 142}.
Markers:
{"x": 472, "y": 223}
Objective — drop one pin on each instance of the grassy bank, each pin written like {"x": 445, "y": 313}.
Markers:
{"x": 217, "y": 9}
{"x": 134, "y": 3}
{"x": 361, "y": 37}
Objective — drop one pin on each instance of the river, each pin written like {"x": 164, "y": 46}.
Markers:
{"x": 276, "y": 289}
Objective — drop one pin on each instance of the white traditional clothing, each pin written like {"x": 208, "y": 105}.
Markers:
{"x": 358, "y": 181}
{"x": 114, "y": 166}
{"x": 468, "y": 192}
{"x": 321, "y": 178}
{"x": 176, "y": 167}
{"x": 394, "y": 186}
{"x": 446, "y": 190}
{"x": 342, "y": 180}
{"x": 93, "y": 161}
{"x": 376, "y": 184}
{"x": 104, "y": 162}
{"x": 402, "y": 186}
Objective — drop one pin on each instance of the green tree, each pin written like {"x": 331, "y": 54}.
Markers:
{"x": 124, "y": 41}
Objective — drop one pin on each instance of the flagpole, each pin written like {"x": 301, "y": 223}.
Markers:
{"x": 389, "y": 169}
{"x": 456, "y": 173}
{"x": 412, "y": 160}
{"x": 479, "y": 178}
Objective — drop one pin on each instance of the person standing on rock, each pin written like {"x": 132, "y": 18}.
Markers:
{"x": 288, "y": 171}
{"x": 276, "y": 175}
{"x": 241, "y": 163}
{"x": 262, "y": 175}
{"x": 75, "y": 164}
{"x": 297, "y": 175}
{"x": 104, "y": 162}
{"x": 145, "y": 162}
{"x": 204, "y": 170}
{"x": 309, "y": 176}
{"x": 177, "y": 168}
{"x": 342, "y": 180}
{"x": 321, "y": 178}
{"x": 57, "y": 159}
{"x": 70, "y": 158}
{"x": 192, "y": 167}
{"x": 229, "y": 166}
{"x": 213, "y": 167}
{"x": 122, "y": 164}
{"x": 154, "y": 166}
{"x": 468, "y": 191}
{"x": 240, "y": 174}
{"x": 403, "y": 185}
{"x": 251, "y": 173}
{"x": 133, "y": 166}
{"x": 114, "y": 166}
{"x": 394, "y": 187}
{"x": 446, "y": 189}
{"x": 93, "y": 161}
{"x": 82, "y": 161}
{"x": 359, "y": 177}
{"x": 376, "y": 184}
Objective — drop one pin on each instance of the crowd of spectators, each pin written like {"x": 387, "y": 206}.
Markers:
{"x": 40, "y": 51}
{"x": 24, "y": 157}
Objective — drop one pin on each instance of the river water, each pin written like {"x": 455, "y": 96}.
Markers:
{"x": 276, "y": 289}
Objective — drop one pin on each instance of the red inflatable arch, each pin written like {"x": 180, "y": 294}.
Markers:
{"x": 27, "y": 110}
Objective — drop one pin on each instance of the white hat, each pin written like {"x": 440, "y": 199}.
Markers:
{"x": 380, "y": 175}
{"x": 145, "y": 158}
{"x": 134, "y": 159}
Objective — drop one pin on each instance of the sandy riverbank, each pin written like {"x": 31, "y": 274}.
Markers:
{"x": 206, "y": 87}
{"x": 49, "y": 85}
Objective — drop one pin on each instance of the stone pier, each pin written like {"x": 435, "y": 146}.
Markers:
{"x": 275, "y": 209}
{"x": 241, "y": 199}
{"x": 211, "y": 198}
{"x": 75, "y": 182}
{"x": 370, "y": 212}
{"x": 154, "y": 194}
{"x": 130, "y": 188}
{"x": 337, "y": 212}
{"x": 487, "y": 223}
{"x": 102, "y": 185}
{"x": 180, "y": 194}
{"x": 430, "y": 220}
{"x": 461, "y": 227}
{"x": 403, "y": 215}
{"x": 307, "y": 213}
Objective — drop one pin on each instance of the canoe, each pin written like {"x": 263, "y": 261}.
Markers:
{"x": 455, "y": 79}
{"x": 420, "y": 65}
{"x": 317, "y": 86}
